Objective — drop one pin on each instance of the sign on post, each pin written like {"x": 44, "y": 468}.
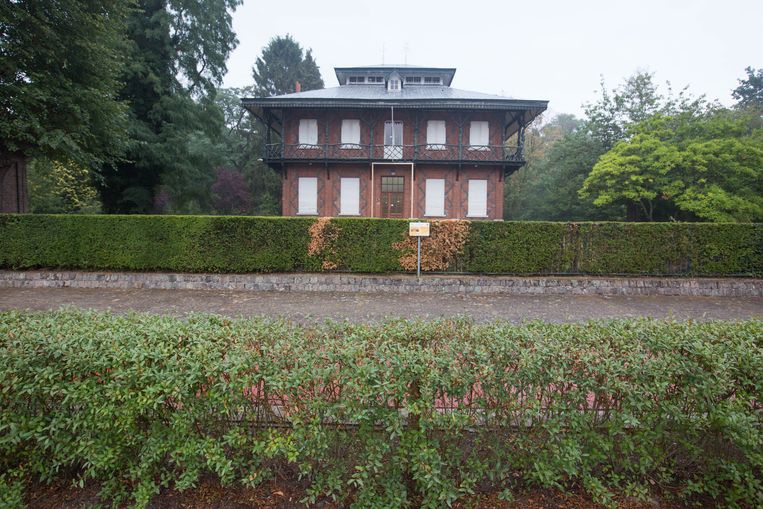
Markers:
{"x": 418, "y": 230}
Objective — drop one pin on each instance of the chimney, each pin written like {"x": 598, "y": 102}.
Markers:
{"x": 297, "y": 86}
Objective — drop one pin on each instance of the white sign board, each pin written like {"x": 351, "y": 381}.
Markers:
{"x": 418, "y": 229}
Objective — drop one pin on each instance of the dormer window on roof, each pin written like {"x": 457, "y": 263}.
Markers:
{"x": 356, "y": 80}
{"x": 432, "y": 80}
{"x": 412, "y": 79}
{"x": 394, "y": 83}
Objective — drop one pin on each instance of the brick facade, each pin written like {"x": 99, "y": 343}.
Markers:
{"x": 13, "y": 184}
{"x": 329, "y": 174}
{"x": 456, "y": 187}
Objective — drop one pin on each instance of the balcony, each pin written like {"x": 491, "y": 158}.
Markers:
{"x": 494, "y": 154}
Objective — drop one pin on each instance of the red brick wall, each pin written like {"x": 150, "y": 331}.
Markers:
{"x": 13, "y": 185}
{"x": 329, "y": 132}
{"x": 456, "y": 187}
{"x": 333, "y": 119}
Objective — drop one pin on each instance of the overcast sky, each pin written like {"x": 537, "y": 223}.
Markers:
{"x": 534, "y": 49}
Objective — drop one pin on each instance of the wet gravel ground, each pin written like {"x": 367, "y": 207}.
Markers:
{"x": 370, "y": 307}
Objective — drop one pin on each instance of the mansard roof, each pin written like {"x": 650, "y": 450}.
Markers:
{"x": 413, "y": 96}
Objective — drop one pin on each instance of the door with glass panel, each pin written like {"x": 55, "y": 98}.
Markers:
{"x": 392, "y": 189}
{"x": 393, "y": 140}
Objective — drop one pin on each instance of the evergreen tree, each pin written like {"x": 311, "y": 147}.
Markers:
{"x": 283, "y": 62}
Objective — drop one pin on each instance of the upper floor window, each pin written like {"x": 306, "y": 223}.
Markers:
{"x": 413, "y": 79}
{"x": 308, "y": 131}
{"x": 436, "y": 134}
{"x": 479, "y": 134}
{"x": 432, "y": 80}
{"x": 350, "y": 133}
{"x": 394, "y": 85}
{"x": 356, "y": 80}
{"x": 376, "y": 79}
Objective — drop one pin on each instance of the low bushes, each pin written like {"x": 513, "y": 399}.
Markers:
{"x": 255, "y": 244}
{"x": 380, "y": 415}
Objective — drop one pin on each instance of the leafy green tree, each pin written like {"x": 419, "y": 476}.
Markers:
{"x": 60, "y": 64}
{"x": 284, "y": 62}
{"x": 708, "y": 167}
{"x": 177, "y": 55}
{"x": 749, "y": 93}
{"x": 58, "y": 188}
{"x": 636, "y": 171}
{"x": 547, "y": 187}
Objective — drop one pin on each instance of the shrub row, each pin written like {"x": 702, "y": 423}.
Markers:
{"x": 248, "y": 244}
{"x": 380, "y": 415}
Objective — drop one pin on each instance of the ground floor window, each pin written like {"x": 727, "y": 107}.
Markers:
{"x": 434, "y": 197}
{"x": 307, "y": 196}
{"x": 349, "y": 196}
{"x": 477, "y": 195}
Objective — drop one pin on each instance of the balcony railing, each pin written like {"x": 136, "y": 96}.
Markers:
{"x": 417, "y": 153}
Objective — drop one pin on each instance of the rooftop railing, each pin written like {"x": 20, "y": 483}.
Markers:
{"x": 408, "y": 153}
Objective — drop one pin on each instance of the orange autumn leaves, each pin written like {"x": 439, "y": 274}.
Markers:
{"x": 438, "y": 251}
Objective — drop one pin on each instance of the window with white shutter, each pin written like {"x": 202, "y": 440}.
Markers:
{"x": 349, "y": 196}
{"x": 477, "y": 198}
{"x": 434, "y": 197}
{"x": 307, "y": 196}
{"x": 350, "y": 133}
{"x": 436, "y": 135}
{"x": 479, "y": 134}
{"x": 308, "y": 131}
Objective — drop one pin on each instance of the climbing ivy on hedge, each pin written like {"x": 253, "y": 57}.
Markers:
{"x": 255, "y": 244}
{"x": 378, "y": 416}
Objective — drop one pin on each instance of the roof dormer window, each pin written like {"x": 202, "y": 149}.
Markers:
{"x": 413, "y": 79}
{"x": 356, "y": 80}
{"x": 376, "y": 79}
{"x": 432, "y": 80}
{"x": 394, "y": 85}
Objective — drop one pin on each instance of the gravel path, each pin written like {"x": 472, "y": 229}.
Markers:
{"x": 304, "y": 306}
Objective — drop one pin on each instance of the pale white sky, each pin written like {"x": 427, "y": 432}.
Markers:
{"x": 533, "y": 49}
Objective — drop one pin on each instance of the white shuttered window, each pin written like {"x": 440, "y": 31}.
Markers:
{"x": 477, "y": 198}
{"x": 308, "y": 131}
{"x": 307, "y": 196}
{"x": 435, "y": 134}
{"x": 349, "y": 197}
{"x": 478, "y": 133}
{"x": 350, "y": 133}
{"x": 434, "y": 197}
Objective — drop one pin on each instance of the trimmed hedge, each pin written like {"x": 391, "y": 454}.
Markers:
{"x": 256, "y": 244}
{"x": 382, "y": 416}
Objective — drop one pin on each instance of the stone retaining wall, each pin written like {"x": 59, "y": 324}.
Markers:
{"x": 481, "y": 285}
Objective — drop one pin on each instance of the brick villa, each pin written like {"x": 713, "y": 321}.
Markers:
{"x": 394, "y": 141}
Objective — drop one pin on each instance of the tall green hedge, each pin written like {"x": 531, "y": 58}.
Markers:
{"x": 255, "y": 244}
{"x": 390, "y": 415}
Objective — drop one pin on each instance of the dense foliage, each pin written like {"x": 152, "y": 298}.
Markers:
{"x": 256, "y": 244}
{"x": 642, "y": 154}
{"x": 177, "y": 53}
{"x": 59, "y": 69}
{"x": 377, "y": 416}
